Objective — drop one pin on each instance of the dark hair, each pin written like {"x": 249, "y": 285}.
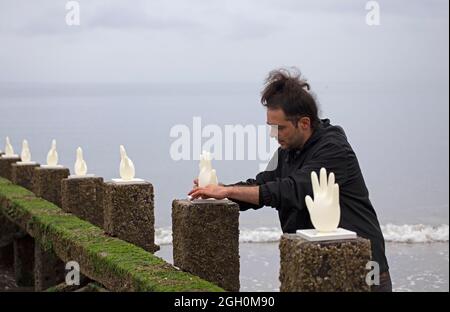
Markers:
{"x": 289, "y": 91}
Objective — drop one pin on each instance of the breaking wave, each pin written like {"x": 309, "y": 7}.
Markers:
{"x": 407, "y": 233}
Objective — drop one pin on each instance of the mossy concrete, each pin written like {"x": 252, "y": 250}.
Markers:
{"x": 83, "y": 197}
{"x": 47, "y": 183}
{"x": 206, "y": 241}
{"x": 22, "y": 174}
{"x": 129, "y": 213}
{"x": 114, "y": 263}
{"x": 329, "y": 266}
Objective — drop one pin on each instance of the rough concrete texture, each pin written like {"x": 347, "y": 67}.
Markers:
{"x": 24, "y": 260}
{"x": 129, "y": 213}
{"x": 23, "y": 175}
{"x": 206, "y": 241}
{"x": 49, "y": 270}
{"x": 323, "y": 266}
{"x": 83, "y": 197}
{"x": 5, "y": 166}
{"x": 47, "y": 183}
{"x": 7, "y": 231}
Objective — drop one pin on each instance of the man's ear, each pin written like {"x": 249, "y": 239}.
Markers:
{"x": 304, "y": 123}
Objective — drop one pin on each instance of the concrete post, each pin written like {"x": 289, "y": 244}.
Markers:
{"x": 7, "y": 232}
{"x": 24, "y": 260}
{"x": 22, "y": 174}
{"x": 206, "y": 240}
{"x": 83, "y": 197}
{"x": 47, "y": 183}
{"x": 327, "y": 266}
{"x": 129, "y": 213}
{"x": 48, "y": 269}
{"x": 5, "y": 166}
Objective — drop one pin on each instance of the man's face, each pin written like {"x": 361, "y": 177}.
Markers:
{"x": 289, "y": 136}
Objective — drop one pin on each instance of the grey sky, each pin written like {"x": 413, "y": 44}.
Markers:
{"x": 189, "y": 41}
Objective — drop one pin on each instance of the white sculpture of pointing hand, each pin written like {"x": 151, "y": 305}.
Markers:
{"x": 207, "y": 176}
{"x": 52, "y": 156}
{"x": 127, "y": 170}
{"x": 9, "y": 150}
{"x": 324, "y": 210}
{"x": 80, "y": 164}
{"x": 26, "y": 154}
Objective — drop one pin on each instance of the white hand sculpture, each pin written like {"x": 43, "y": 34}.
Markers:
{"x": 9, "y": 150}
{"x": 26, "y": 154}
{"x": 52, "y": 156}
{"x": 207, "y": 176}
{"x": 325, "y": 211}
{"x": 127, "y": 170}
{"x": 80, "y": 164}
{"x": 214, "y": 179}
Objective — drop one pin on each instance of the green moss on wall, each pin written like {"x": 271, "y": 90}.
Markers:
{"x": 116, "y": 264}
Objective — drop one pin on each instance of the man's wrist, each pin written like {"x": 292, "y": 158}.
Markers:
{"x": 229, "y": 191}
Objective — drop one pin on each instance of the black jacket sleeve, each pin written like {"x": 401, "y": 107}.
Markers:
{"x": 290, "y": 192}
{"x": 261, "y": 178}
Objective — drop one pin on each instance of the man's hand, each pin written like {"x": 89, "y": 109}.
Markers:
{"x": 210, "y": 191}
{"x": 249, "y": 194}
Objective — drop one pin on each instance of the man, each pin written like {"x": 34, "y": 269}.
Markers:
{"x": 306, "y": 144}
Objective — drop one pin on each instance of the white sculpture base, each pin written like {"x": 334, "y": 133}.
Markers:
{"x": 208, "y": 200}
{"x": 82, "y": 177}
{"x": 316, "y": 236}
{"x": 52, "y": 167}
{"x": 132, "y": 181}
{"x": 10, "y": 156}
{"x": 26, "y": 163}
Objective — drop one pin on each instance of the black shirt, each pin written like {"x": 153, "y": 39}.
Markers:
{"x": 285, "y": 187}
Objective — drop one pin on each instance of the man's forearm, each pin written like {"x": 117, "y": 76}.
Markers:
{"x": 248, "y": 194}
